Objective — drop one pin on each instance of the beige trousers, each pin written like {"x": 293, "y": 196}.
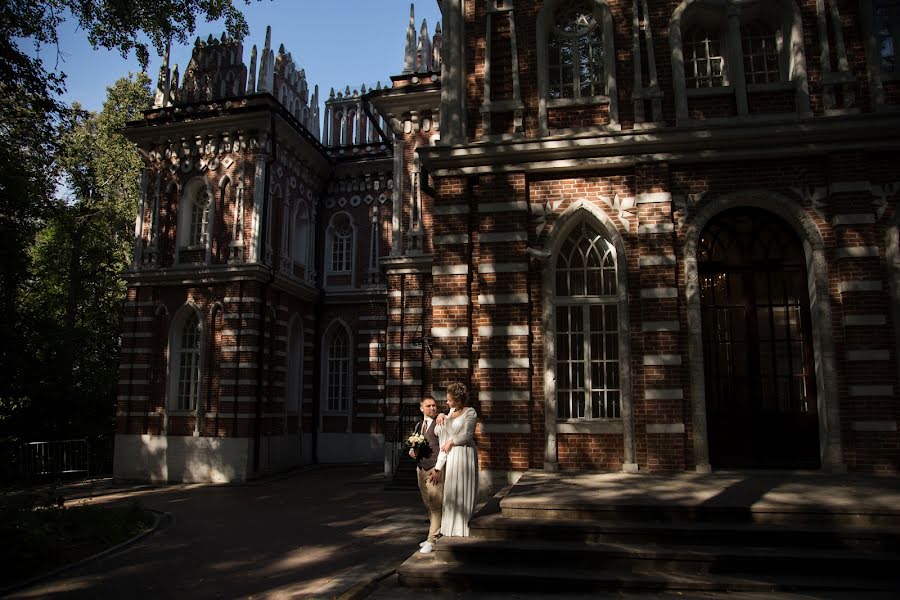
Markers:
{"x": 433, "y": 498}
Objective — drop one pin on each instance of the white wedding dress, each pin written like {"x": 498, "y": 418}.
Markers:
{"x": 460, "y": 473}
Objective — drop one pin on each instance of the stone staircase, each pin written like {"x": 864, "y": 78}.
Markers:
{"x": 575, "y": 539}
{"x": 404, "y": 478}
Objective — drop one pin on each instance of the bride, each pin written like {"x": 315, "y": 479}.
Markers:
{"x": 458, "y": 461}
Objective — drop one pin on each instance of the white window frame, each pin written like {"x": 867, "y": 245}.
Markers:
{"x": 176, "y": 331}
{"x": 336, "y": 327}
{"x": 330, "y": 236}
{"x": 186, "y": 213}
{"x": 546, "y": 25}
{"x": 728, "y": 17}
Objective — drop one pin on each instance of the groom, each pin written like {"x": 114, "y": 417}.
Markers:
{"x": 426, "y": 458}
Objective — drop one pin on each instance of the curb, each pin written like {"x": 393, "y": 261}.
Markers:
{"x": 364, "y": 588}
{"x": 157, "y": 524}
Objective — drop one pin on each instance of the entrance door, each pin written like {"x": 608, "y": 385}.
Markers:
{"x": 757, "y": 343}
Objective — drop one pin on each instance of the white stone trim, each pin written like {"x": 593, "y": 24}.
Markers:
{"x": 510, "y": 206}
{"x": 450, "y": 363}
{"x": 866, "y": 355}
{"x": 137, "y": 334}
{"x": 450, "y": 270}
{"x": 591, "y": 426}
{"x": 856, "y": 252}
{"x": 662, "y": 292}
{"x": 504, "y": 363}
{"x": 865, "y": 320}
{"x": 502, "y": 298}
{"x": 665, "y": 427}
{"x": 651, "y": 197}
{"x": 505, "y": 428}
{"x": 240, "y": 348}
{"x": 860, "y": 286}
{"x": 656, "y": 228}
{"x": 657, "y": 260}
{"x": 664, "y": 394}
{"x": 446, "y": 240}
{"x": 137, "y": 350}
{"x": 241, "y": 299}
{"x": 662, "y": 359}
{"x": 502, "y": 330}
{"x": 660, "y": 326}
{"x": 404, "y": 382}
{"x": 504, "y": 396}
{"x": 508, "y": 267}
{"x": 874, "y": 426}
{"x": 502, "y": 236}
{"x": 373, "y": 318}
{"x": 447, "y": 332}
{"x": 852, "y": 219}
{"x": 871, "y": 390}
{"x": 396, "y": 364}
{"x": 460, "y": 300}
{"x": 372, "y": 331}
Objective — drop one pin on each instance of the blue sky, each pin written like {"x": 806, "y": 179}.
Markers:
{"x": 339, "y": 43}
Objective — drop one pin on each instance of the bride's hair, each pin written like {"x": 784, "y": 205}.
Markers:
{"x": 458, "y": 392}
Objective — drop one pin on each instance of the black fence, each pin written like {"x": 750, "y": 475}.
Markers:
{"x": 59, "y": 459}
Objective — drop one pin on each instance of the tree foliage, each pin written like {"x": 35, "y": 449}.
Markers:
{"x": 68, "y": 185}
{"x": 70, "y": 307}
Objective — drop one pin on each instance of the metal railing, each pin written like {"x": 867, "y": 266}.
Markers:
{"x": 409, "y": 416}
{"x": 34, "y": 460}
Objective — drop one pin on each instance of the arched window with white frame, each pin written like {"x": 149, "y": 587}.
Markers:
{"x": 338, "y": 365}
{"x": 576, "y": 58}
{"x": 185, "y": 344}
{"x": 194, "y": 215}
{"x": 340, "y": 257}
{"x": 586, "y": 302}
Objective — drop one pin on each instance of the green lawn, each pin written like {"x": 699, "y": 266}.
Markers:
{"x": 39, "y": 539}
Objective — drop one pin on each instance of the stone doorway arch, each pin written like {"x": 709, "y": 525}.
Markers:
{"x": 830, "y": 447}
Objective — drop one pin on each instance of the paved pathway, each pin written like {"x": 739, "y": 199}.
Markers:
{"x": 312, "y": 534}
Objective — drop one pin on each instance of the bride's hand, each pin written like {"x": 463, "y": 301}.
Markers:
{"x": 447, "y": 446}
{"x": 440, "y": 418}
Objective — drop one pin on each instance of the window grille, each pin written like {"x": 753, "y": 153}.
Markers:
{"x": 189, "y": 365}
{"x": 341, "y": 244}
{"x": 587, "y": 328}
{"x": 339, "y": 362}
{"x": 760, "y": 47}
{"x": 575, "y": 49}
{"x": 704, "y": 63}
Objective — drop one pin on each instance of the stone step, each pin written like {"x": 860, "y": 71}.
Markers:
{"x": 425, "y": 572}
{"x": 587, "y": 511}
{"x": 497, "y": 527}
{"x": 684, "y": 559}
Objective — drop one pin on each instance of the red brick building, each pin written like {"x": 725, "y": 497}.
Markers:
{"x": 647, "y": 235}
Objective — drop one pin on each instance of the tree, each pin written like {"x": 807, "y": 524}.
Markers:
{"x": 53, "y": 249}
{"x": 70, "y": 309}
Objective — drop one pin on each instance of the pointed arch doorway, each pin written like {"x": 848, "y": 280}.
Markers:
{"x": 761, "y": 402}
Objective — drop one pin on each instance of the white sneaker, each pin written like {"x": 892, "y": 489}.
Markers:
{"x": 422, "y": 543}
{"x": 427, "y": 548}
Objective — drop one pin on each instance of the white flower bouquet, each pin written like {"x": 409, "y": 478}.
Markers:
{"x": 416, "y": 441}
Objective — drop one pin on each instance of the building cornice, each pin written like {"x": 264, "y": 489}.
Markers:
{"x": 193, "y": 275}
{"x": 752, "y": 139}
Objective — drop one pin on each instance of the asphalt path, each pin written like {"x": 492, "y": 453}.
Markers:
{"x": 315, "y": 533}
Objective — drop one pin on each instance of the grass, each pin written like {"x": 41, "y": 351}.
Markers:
{"x": 40, "y": 535}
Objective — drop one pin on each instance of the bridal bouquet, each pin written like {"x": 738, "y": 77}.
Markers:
{"x": 416, "y": 441}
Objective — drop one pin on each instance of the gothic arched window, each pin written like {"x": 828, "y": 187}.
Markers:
{"x": 186, "y": 346}
{"x": 576, "y": 52}
{"x": 338, "y": 363}
{"x": 587, "y": 327}
{"x": 341, "y": 244}
{"x": 198, "y": 230}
